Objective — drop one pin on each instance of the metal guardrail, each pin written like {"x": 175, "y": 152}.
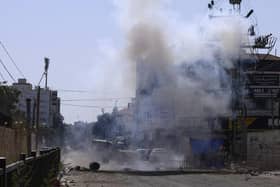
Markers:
{"x": 32, "y": 171}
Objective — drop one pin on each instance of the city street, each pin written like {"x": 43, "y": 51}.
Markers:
{"x": 89, "y": 179}
{"x": 139, "y": 93}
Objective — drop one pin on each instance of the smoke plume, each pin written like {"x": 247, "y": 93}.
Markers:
{"x": 180, "y": 71}
{"x": 181, "y": 68}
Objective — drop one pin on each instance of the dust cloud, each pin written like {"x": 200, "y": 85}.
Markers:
{"x": 183, "y": 65}
{"x": 178, "y": 70}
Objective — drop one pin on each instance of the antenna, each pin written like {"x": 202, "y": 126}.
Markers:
{"x": 249, "y": 13}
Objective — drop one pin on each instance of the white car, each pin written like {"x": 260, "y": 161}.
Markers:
{"x": 159, "y": 155}
{"x": 143, "y": 153}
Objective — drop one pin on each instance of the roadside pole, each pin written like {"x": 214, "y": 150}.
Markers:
{"x": 37, "y": 117}
{"x": 28, "y": 126}
{"x": 34, "y": 113}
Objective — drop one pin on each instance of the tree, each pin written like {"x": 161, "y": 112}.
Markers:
{"x": 8, "y": 100}
{"x": 104, "y": 126}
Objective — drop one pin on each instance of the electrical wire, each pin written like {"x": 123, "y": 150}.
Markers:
{"x": 99, "y": 99}
{"x": 91, "y": 92}
{"x": 2, "y": 76}
{"x": 41, "y": 79}
{"x": 12, "y": 60}
{"x": 89, "y": 106}
{"x": 75, "y": 91}
{"x": 11, "y": 76}
{"x": 86, "y": 106}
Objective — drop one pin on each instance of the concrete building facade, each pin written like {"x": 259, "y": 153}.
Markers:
{"x": 50, "y": 114}
{"x": 126, "y": 118}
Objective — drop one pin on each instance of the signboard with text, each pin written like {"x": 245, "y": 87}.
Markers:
{"x": 265, "y": 85}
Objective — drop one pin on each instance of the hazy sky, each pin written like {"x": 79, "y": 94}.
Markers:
{"x": 81, "y": 39}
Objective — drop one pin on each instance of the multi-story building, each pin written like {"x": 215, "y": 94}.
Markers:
{"x": 126, "y": 117}
{"x": 26, "y": 92}
{"x": 255, "y": 132}
{"x": 262, "y": 99}
{"x": 49, "y": 103}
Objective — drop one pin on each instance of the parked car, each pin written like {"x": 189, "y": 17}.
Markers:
{"x": 159, "y": 155}
{"x": 143, "y": 154}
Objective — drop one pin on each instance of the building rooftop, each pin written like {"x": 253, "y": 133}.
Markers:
{"x": 264, "y": 62}
{"x": 21, "y": 82}
{"x": 268, "y": 57}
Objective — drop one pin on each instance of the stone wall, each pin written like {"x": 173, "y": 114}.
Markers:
{"x": 263, "y": 149}
{"x": 13, "y": 141}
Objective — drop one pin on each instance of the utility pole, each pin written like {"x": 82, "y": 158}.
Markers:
{"x": 37, "y": 116}
{"x": 28, "y": 120}
{"x": 234, "y": 113}
{"x": 272, "y": 107}
{"x": 34, "y": 113}
{"x": 47, "y": 62}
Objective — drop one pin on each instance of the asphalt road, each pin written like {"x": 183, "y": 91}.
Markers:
{"x": 89, "y": 179}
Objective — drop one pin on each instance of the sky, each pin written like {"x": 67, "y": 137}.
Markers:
{"x": 82, "y": 39}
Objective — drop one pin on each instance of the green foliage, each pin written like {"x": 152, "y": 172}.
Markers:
{"x": 107, "y": 127}
{"x": 8, "y": 100}
{"x": 51, "y": 177}
{"x": 52, "y": 173}
{"x": 21, "y": 176}
{"x": 39, "y": 172}
{"x": 104, "y": 126}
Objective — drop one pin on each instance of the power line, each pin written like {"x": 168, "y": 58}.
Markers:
{"x": 41, "y": 79}
{"x": 2, "y": 76}
{"x": 88, "y": 106}
{"x": 12, "y": 60}
{"x": 7, "y": 70}
{"x": 99, "y": 99}
{"x": 77, "y": 91}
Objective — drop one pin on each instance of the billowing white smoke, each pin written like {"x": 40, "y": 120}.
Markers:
{"x": 181, "y": 68}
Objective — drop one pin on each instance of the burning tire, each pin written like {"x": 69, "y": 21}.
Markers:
{"x": 94, "y": 166}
